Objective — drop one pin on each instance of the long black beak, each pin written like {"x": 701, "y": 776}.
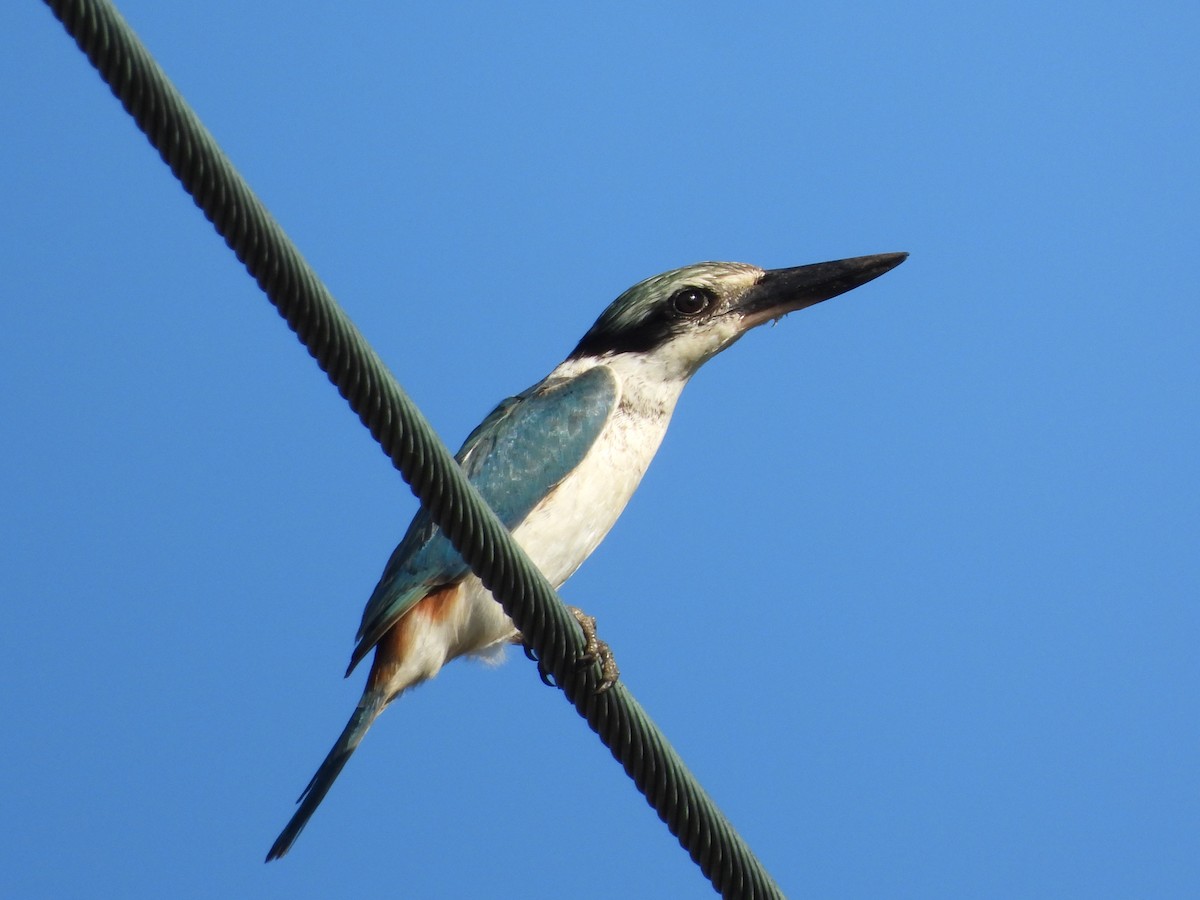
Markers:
{"x": 781, "y": 291}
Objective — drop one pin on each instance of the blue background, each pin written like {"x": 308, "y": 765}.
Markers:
{"x": 912, "y": 584}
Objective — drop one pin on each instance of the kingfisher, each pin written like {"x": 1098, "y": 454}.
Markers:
{"x": 557, "y": 463}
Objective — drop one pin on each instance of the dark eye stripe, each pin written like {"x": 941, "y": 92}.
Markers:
{"x": 657, "y": 325}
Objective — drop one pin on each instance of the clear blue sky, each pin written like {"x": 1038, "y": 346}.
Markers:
{"x": 913, "y": 584}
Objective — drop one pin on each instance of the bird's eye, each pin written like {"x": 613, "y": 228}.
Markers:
{"x": 691, "y": 301}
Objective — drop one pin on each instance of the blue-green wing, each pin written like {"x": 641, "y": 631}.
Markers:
{"x": 526, "y": 446}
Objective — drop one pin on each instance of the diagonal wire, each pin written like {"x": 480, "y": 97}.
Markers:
{"x": 395, "y": 422}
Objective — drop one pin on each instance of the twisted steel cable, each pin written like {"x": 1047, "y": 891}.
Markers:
{"x": 360, "y": 376}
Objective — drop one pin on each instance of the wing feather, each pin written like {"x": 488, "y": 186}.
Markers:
{"x": 517, "y": 455}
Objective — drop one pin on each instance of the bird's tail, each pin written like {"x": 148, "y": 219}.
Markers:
{"x": 368, "y": 709}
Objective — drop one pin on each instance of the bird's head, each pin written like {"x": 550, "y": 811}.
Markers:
{"x": 682, "y": 318}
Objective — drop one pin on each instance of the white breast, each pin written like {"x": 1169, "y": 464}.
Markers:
{"x": 563, "y": 530}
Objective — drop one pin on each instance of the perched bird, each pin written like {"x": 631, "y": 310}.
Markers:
{"x": 558, "y": 463}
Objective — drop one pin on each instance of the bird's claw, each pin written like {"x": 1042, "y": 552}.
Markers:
{"x": 543, "y": 672}
{"x": 595, "y": 650}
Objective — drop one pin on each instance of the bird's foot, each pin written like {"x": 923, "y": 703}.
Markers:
{"x": 596, "y": 650}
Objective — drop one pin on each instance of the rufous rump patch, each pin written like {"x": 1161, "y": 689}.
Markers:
{"x": 434, "y": 607}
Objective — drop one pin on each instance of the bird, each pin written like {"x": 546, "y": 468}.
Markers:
{"x": 558, "y": 463}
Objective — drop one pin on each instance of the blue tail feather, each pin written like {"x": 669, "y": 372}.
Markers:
{"x": 368, "y": 709}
